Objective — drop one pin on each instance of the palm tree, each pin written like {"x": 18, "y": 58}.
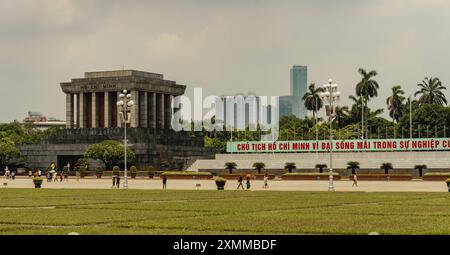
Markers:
{"x": 290, "y": 166}
{"x": 386, "y": 167}
{"x": 321, "y": 167}
{"x": 420, "y": 168}
{"x": 259, "y": 166}
{"x": 230, "y": 166}
{"x": 356, "y": 109}
{"x": 395, "y": 103}
{"x": 313, "y": 102}
{"x": 353, "y": 165}
{"x": 366, "y": 89}
{"x": 342, "y": 117}
{"x": 431, "y": 91}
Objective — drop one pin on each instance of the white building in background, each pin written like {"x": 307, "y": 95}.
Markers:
{"x": 243, "y": 111}
{"x": 43, "y": 122}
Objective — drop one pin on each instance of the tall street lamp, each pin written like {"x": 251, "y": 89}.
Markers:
{"x": 330, "y": 96}
{"x": 410, "y": 118}
{"x": 124, "y": 104}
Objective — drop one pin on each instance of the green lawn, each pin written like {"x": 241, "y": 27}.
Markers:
{"x": 45, "y": 211}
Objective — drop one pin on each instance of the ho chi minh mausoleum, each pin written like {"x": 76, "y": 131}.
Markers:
{"x": 92, "y": 116}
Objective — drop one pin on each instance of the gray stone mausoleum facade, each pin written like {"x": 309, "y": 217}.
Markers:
{"x": 92, "y": 116}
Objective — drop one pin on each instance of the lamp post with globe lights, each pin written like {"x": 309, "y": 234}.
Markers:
{"x": 330, "y": 96}
{"x": 124, "y": 104}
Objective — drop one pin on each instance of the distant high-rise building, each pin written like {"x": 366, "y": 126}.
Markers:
{"x": 291, "y": 106}
{"x": 299, "y": 80}
{"x": 294, "y": 104}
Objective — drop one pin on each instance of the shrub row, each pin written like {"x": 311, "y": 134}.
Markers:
{"x": 437, "y": 174}
{"x": 190, "y": 173}
{"x": 310, "y": 174}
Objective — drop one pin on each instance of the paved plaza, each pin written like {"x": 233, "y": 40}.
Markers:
{"x": 279, "y": 185}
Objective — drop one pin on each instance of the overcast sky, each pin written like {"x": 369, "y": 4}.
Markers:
{"x": 225, "y": 47}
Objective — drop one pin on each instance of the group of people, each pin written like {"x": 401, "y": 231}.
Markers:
{"x": 10, "y": 174}
{"x": 248, "y": 184}
{"x": 56, "y": 177}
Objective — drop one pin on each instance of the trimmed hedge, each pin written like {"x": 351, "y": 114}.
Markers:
{"x": 310, "y": 174}
{"x": 437, "y": 174}
{"x": 189, "y": 173}
{"x": 384, "y": 175}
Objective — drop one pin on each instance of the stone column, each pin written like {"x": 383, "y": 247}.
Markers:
{"x": 94, "y": 111}
{"x": 160, "y": 110}
{"x": 106, "y": 109}
{"x": 69, "y": 110}
{"x": 143, "y": 109}
{"x": 135, "y": 116}
{"x": 167, "y": 111}
{"x": 81, "y": 110}
{"x": 152, "y": 110}
{"x": 77, "y": 116}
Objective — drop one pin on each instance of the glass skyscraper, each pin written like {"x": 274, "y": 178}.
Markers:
{"x": 299, "y": 80}
{"x": 293, "y": 104}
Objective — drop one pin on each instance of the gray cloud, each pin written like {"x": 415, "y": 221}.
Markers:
{"x": 225, "y": 47}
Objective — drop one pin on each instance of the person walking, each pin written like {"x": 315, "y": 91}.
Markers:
{"x": 266, "y": 180}
{"x": 77, "y": 173}
{"x": 118, "y": 181}
{"x": 60, "y": 177}
{"x": 240, "y": 179}
{"x": 7, "y": 172}
{"x": 30, "y": 173}
{"x": 55, "y": 177}
{"x": 355, "y": 180}
{"x": 164, "y": 179}
{"x": 13, "y": 175}
{"x": 114, "y": 177}
{"x": 248, "y": 182}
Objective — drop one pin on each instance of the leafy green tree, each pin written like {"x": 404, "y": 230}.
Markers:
{"x": 293, "y": 128}
{"x": 431, "y": 91}
{"x": 110, "y": 152}
{"x": 259, "y": 166}
{"x": 348, "y": 132}
{"x": 8, "y": 151}
{"x": 395, "y": 103}
{"x": 380, "y": 127}
{"x": 312, "y": 100}
{"x": 386, "y": 167}
{"x": 342, "y": 118}
{"x": 410, "y": 104}
{"x": 354, "y": 114}
{"x": 427, "y": 115}
{"x": 81, "y": 165}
